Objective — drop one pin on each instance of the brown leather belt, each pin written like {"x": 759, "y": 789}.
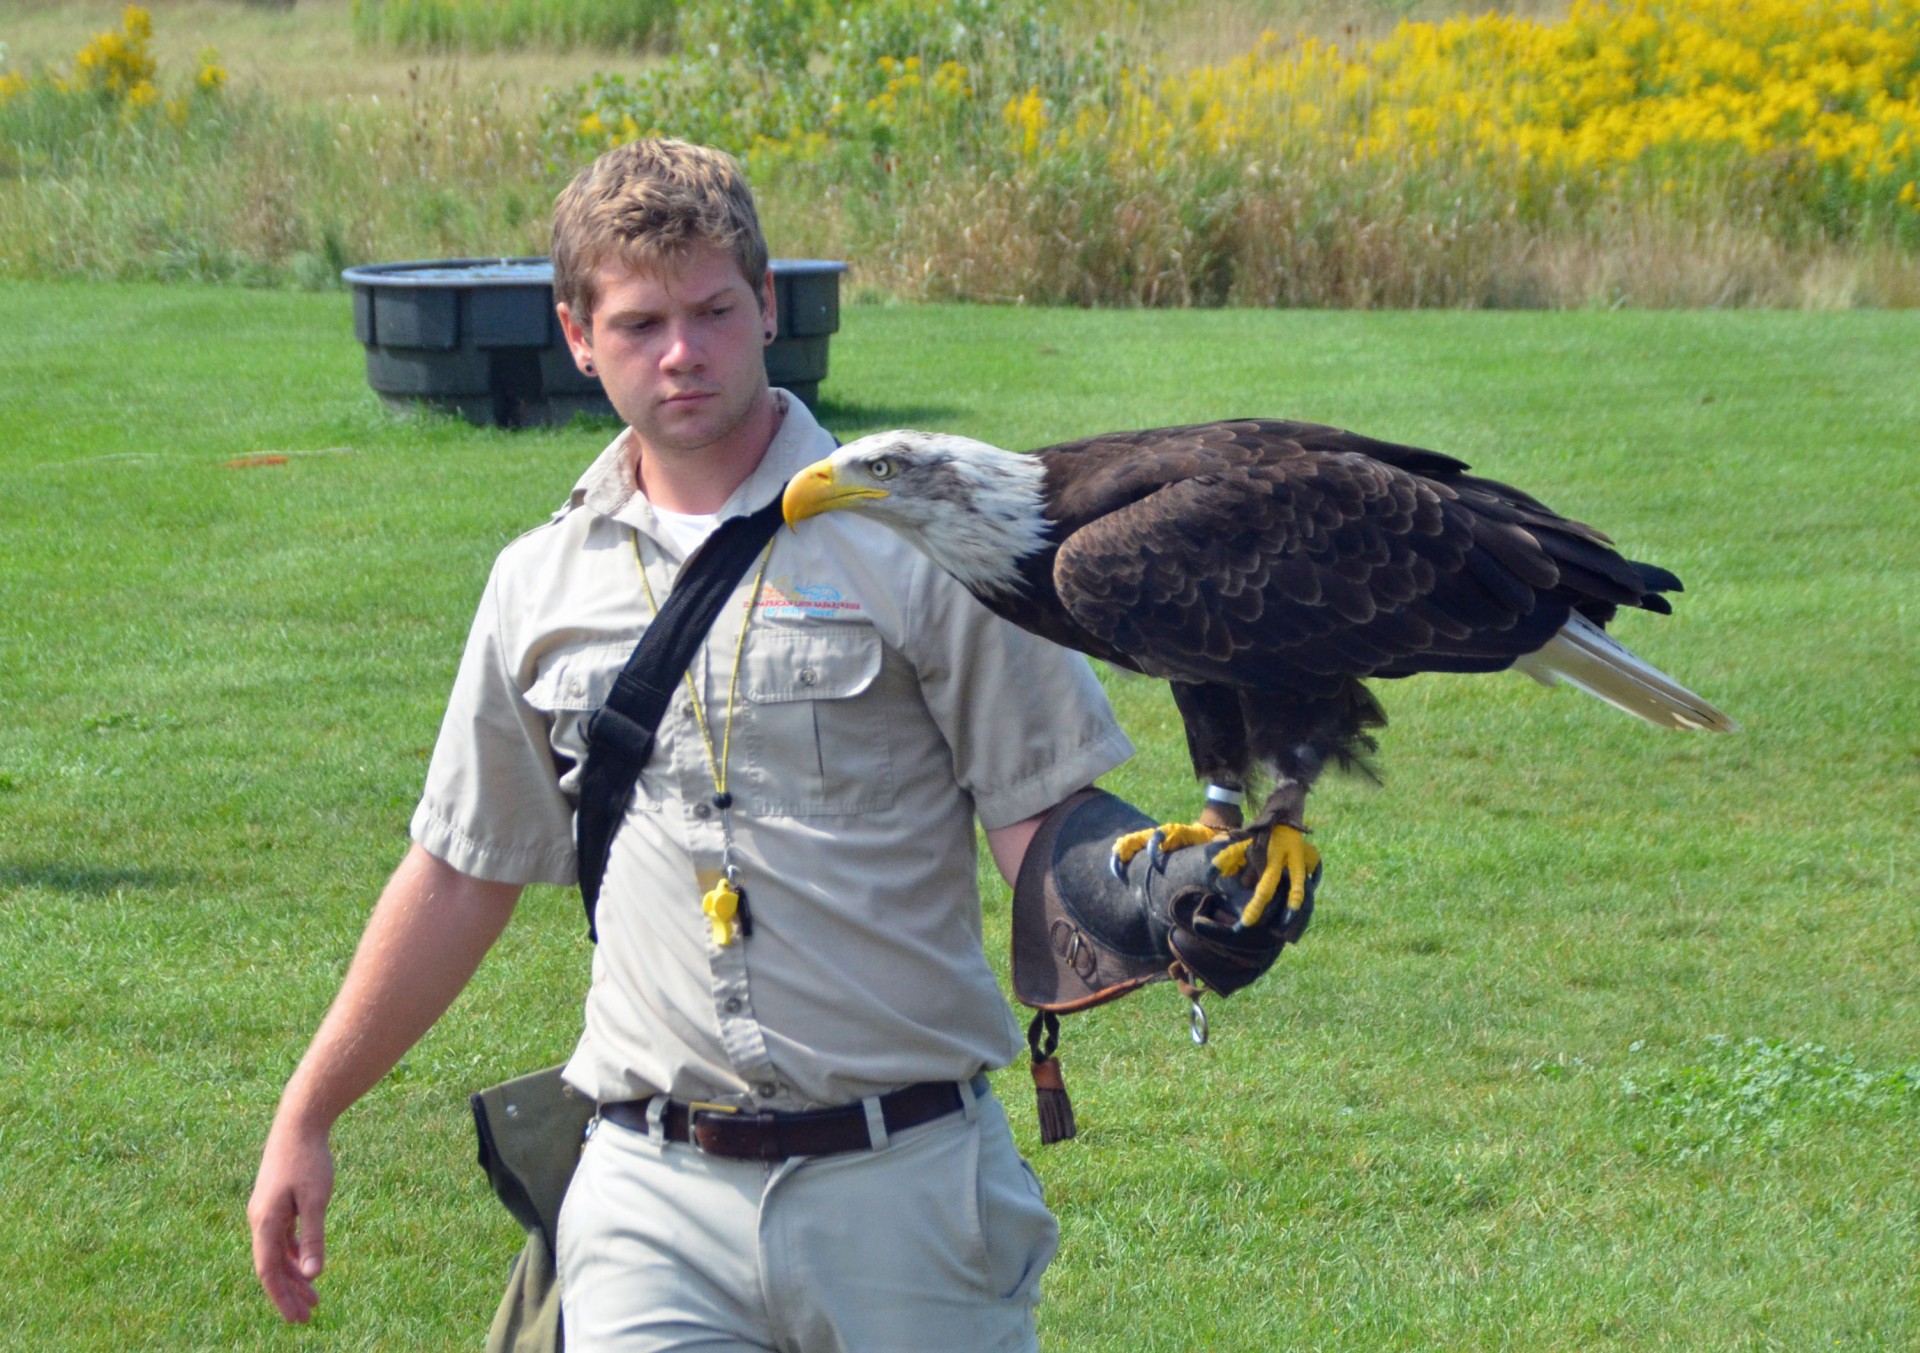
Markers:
{"x": 775, "y": 1136}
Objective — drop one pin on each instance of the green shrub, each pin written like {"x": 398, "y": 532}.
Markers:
{"x": 877, "y": 90}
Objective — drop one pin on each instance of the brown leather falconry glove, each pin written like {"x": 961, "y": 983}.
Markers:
{"x": 1082, "y": 936}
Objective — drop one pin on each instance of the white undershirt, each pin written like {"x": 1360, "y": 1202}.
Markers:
{"x": 685, "y": 530}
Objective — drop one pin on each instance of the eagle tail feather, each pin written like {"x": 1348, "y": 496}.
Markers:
{"x": 1654, "y": 578}
{"x": 1584, "y": 655}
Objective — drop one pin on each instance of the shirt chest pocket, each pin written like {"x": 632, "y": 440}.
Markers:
{"x": 572, "y": 684}
{"x": 817, "y": 741}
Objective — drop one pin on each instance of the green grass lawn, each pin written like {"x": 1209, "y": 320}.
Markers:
{"x": 1502, "y": 1097}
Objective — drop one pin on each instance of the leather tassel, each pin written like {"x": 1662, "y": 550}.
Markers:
{"x": 1056, "y": 1110}
{"x": 1049, "y": 1086}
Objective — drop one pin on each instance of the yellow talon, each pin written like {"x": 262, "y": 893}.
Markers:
{"x": 1232, "y": 859}
{"x": 1180, "y": 835}
{"x": 1130, "y": 845}
{"x": 1173, "y": 836}
{"x": 1288, "y": 852}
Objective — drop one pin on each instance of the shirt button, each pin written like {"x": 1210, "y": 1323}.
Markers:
{"x": 808, "y": 676}
{"x": 766, "y": 1089}
{"x": 577, "y": 688}
{"x": 703, "y": 810}
{"x": 732, "y": 1006}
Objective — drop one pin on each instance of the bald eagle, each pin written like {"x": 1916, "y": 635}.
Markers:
{"x": 1265, "y": 569}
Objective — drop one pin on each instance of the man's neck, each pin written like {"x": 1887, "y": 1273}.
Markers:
{"x": 699, "y": 481}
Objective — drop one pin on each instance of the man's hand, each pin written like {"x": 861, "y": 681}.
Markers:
{"x": 288, "y": 1217}
{"x": 426, "y": 936}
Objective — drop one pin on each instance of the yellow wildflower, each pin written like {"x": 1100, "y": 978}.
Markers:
{"x": 213, "y": 76}
{"x": 1814, "y": 82}
{"x": 116, "y": 62}
{"x": 1026, "y": 115}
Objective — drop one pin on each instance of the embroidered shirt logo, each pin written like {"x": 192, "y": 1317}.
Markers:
{"x": 784, "y": 599}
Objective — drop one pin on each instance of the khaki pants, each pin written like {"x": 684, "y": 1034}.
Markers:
{"x": 935, "y": 1241}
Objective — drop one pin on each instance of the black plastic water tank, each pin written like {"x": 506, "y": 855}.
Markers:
{"x": 478, "y": 337}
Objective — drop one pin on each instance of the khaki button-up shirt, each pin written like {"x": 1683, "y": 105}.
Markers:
{"x": 877, "y": 710}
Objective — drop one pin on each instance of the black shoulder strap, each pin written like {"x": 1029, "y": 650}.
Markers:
{"x": 620, "y": 733}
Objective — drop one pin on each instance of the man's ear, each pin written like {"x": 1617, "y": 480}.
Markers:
{"x": 579, "y": 340}
{"x": 769, "y": 307}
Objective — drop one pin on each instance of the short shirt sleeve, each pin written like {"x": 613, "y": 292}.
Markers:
{"x": 492, "y": 806}
{"x": 1027, "y": 720}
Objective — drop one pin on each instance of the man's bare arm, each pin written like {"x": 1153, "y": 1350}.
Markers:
{"x": 427, "y": 935}
{"x": 1008, "y": 844}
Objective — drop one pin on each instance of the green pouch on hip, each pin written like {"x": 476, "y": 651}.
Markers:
{"x": 530, "y": 1132}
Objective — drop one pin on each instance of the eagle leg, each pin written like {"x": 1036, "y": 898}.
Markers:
{"x": 1217, "y": 745}
{"x": 1222, "y": 817}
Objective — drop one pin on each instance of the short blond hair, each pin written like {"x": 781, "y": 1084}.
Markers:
{"x": 645, "y": 204}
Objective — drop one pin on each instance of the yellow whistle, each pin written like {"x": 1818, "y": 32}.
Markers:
{"x": 721, "y": 904}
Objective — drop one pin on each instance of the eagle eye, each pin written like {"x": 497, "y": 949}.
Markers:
{"x": 881, "y": 467}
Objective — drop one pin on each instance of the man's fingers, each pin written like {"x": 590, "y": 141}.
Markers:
{"x": 271, "y": 1224}
{"x": 287, "y": 1217}
{"x": 313, "y": 1236}
{"x": 294, "y": 1297}
{"x": 292, "y": 1289}
{"x": 275, "y": 1263}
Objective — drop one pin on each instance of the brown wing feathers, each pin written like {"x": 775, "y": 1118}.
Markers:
{"x": 1288, "y": 556}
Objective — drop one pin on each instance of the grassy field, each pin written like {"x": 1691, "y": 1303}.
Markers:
{"x": 1502, "y": 1097}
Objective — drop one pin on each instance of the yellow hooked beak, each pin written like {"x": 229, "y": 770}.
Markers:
{"x": 818, "y": 489}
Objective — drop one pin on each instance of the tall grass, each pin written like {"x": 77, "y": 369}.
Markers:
{"x": 449, "y": 25}
{"x": 218, "y": 184}
{"x": 1700, "y": 152}
{"x": 1730, "y": 151}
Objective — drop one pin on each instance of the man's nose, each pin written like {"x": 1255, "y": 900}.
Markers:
{"x": 684, "y": 352}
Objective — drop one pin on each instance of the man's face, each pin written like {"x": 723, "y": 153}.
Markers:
{"x": 679, "y": 350}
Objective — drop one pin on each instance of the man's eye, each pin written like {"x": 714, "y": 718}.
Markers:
{"x": 880, "y": 467}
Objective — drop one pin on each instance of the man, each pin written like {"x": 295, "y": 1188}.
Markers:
{"x": 788, "y": 920}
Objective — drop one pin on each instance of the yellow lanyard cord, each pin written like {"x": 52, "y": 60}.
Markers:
{"x": 718, "y": 763}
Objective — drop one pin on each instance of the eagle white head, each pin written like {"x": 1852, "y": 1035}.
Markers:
{"x": 973, "y": 509}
